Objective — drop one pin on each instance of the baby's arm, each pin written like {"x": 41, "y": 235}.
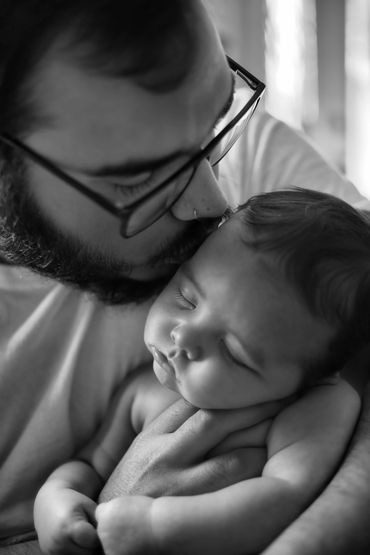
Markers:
{"x": 307, "y": 441}
{"x": 64, "y": 509}
{"x": 65, "y": 505}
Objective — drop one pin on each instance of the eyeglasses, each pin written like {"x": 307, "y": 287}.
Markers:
{"x": 166, "y": 185}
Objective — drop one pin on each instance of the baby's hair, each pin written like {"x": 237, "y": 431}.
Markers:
{"x": 322, "y": 245}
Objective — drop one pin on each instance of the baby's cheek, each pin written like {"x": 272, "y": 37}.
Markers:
{"x": 152, "y": 323}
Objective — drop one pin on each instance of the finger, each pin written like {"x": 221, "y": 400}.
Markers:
{"x": 254, "y": 436}
{"x": 171, "y": 419}
{"x": 223, "y": 471}
{"x": 235, "y": 466}
{"x": 206, "y": 429}
{"x": 84, "y": 535}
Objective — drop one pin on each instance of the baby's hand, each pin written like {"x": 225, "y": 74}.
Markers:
{"x": 124, "y": 526}
{"x": 65, "y": 522}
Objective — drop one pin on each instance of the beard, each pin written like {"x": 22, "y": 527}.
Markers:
{"x": 29, "y": 239}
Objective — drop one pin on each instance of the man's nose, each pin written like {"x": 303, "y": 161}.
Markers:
{"x": 185, "y": 340}
{"x": 202, "y": 198}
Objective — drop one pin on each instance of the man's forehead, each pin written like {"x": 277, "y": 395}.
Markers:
{"x": 93, "y": 109}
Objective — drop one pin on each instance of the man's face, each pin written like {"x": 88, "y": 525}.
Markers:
{"x": 109, "y": 133}
{"x": 228, "y": 331}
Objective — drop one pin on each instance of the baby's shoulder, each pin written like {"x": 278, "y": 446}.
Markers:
{"x": 333, "y": 393}
{"x": 329, "y": 394}
{"x": 328, "y": 409}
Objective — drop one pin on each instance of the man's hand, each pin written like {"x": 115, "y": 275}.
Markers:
{"x": 172, "y": 455}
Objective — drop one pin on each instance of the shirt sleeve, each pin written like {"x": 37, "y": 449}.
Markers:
{"x": 270, "y": 155}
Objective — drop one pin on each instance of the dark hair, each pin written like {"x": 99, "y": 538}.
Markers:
{"x": 151, "y": 41}
{"x": 323, "y": 247}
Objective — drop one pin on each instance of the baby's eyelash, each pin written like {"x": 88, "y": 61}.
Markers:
{"x": 184, "y": 300}
{"x": 230, "y": 356}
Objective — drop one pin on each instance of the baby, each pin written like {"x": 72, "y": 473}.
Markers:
{"x": 271, "y": 306}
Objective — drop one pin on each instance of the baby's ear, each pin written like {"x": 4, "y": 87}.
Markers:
{"x": 226, "y": 215}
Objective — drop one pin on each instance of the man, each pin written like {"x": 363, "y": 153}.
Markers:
{"x": 105, "y": 104}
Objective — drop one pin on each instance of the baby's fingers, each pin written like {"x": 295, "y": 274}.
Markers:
{"x": 84, "y": 535}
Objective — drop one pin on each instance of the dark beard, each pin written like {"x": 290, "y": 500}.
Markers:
{"x": 29, "y": 239}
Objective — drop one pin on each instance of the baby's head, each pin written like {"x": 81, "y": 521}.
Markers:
{"x": 274, "y": 300}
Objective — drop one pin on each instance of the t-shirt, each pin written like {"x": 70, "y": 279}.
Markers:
{"x": 63, "y": 354}
{"x": 62, "y": 357}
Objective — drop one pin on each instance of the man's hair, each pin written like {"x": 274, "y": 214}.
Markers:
{"x": 151, "y": 42}
{"x": 322, "y": 245}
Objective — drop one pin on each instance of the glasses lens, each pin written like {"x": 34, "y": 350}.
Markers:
{"x": 153, "y": 207}
{"x": 232, "y": 136}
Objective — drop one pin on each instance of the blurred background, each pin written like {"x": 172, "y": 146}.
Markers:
{"x": 314, "y": 56}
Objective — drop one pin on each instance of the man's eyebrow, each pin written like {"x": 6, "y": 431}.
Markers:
{"x": 134, "y": 167}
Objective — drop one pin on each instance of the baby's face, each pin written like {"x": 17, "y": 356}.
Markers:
{"x": 228, "y": 331}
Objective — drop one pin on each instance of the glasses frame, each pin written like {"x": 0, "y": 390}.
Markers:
{"x": 123, "y": 213}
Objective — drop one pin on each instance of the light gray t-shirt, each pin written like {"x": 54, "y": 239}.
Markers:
{"x": 62, "y": 355}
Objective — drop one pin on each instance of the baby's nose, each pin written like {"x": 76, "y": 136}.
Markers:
{"x": 185, "y": 342}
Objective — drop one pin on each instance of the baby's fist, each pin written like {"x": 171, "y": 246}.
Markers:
{"x": 124, "y": 526}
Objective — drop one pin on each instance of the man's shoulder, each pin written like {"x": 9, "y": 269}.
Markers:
{"x": 271, "y": 155}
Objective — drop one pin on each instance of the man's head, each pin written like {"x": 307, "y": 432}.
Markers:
{"x": 272, "y": 301}
{"x": 108, "y": 91}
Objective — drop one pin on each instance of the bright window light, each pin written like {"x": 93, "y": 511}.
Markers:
{"x": 357, "y": 63}
{"x": 291, "y": 61}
